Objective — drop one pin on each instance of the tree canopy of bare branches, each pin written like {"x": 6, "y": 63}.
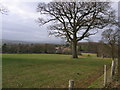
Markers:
{"x": 110, "y": 36}
{"x": 76, "y": 21}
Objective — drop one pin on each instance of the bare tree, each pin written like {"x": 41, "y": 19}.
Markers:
{"x": 110, "y": 37}
{"x": 75, "y": 21}
{"x": 119, "y": 57}
{"x": 119, "y": 42}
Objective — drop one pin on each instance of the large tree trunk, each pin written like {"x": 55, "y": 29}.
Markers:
{"x": 74, "y": 49}
{"x": 119, "y": 59}
{"x": 112, "y": 52}
{"x": 119, "y": 66}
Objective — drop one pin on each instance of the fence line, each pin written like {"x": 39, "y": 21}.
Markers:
{"x": 112, "y": 74}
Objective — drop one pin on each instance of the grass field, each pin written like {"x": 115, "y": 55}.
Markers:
{"x": 50, "y": 70}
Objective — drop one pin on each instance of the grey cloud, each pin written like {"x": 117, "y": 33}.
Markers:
{"x": 17, "y": 27}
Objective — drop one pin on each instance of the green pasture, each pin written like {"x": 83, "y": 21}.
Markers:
{"x": 50, "y": 70}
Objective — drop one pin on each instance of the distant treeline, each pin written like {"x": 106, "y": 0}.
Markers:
{"x": 35, "y": 48}
{"x": 28, "y": 48}
{"x": 101, "y": 49}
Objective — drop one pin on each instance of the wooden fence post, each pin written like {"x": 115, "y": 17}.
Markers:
{"x": 112, "y": 69}
{"x": 105, "y": 75}
{"x": 71, "y": 84}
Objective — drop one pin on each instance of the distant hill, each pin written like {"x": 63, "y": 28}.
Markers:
{"x": 38, "y": 42}
{"x": 29, "y": 42}
{"x": 15, "y": 42}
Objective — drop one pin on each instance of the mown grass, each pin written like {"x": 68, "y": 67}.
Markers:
{"x": 49, "y": 70}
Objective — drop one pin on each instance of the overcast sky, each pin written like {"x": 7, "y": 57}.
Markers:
{"x": 20, "y": 23}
